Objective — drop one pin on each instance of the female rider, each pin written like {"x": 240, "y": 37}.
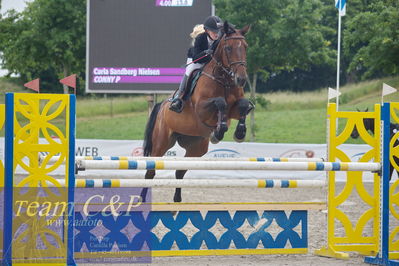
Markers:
{"x": 204, "y": 45}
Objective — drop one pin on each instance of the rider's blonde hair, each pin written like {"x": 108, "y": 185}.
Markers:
{"x": 197, "y": 30}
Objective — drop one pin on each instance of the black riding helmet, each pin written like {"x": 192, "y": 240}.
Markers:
{"x": 213, "y": 23}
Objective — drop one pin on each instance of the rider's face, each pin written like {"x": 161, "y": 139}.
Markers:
{"x": 213, "y": 35}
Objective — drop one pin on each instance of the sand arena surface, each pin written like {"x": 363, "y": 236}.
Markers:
{"x": 317, "y": 225}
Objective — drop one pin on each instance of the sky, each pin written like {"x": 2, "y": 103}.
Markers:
{"x": 18, "y": 5}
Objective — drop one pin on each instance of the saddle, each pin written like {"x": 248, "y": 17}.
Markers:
{"x": 191, "y": 83}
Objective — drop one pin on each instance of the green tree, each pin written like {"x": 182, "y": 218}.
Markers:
{"x": 285, "y": 34}
{"x": 47, "y": 37}
{"x": 372, "y": 39}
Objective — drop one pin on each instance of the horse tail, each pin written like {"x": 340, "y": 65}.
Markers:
{"x": 147, "y": 144}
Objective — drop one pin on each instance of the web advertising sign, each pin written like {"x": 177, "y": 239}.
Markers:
{"x": 139, "y": 46}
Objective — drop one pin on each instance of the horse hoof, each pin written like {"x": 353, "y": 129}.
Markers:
{"x": 143, "y": 198}
{"x": 177, "y": 198}
{"x": 239, "y": 134}
{"x": 223, "y": 127}
{"x": 213, "y": 139}
{"x": 239, "y": 140}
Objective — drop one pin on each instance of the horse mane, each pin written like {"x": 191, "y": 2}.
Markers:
{"x": 369, "y": 124}
{"x": 228, "y": 28}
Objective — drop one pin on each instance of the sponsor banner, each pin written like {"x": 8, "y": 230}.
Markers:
{"x": 92, "y": 147}
{"x": 137, "y": 75}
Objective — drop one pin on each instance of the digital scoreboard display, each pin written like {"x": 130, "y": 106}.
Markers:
{"x": 139, "y": 46}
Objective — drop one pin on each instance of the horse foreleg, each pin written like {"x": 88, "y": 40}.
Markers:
{"x": 243, "y": 106}
{"x": 221, "y": 127}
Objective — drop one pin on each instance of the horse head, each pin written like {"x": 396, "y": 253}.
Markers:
{"x": 368, "y": 125}
{"x": 231, "y": 53}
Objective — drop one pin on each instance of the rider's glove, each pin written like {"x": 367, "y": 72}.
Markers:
{"x": 208, "y": 51}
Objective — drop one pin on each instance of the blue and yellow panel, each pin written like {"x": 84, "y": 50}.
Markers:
{"x": 2, "y": 119}
{"x": 394, "y": 188}
{"x": 238, "y": 232}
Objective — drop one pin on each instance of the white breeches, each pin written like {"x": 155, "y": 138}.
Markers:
{"x": 191, "y": 67}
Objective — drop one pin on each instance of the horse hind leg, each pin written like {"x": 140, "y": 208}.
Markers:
{"x": 163, "y": 143}
{"x": 148, "y": 175}
{"x": 179, "y": 175}
{"x": 195, "y": 147}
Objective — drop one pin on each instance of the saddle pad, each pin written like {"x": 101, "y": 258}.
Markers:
{"x": 192, "y": 83}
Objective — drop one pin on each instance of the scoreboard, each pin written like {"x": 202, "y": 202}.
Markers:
{"x": 139, "y": 46}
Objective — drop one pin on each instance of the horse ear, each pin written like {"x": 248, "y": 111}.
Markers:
{"x": 245, "y": 29}
{"x": 357, "y": 109}
{"x": 367, "y": 109}
{"x": 226, "y": 27}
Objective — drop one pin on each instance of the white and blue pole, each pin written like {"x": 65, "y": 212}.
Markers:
{"x": 382, "y": 257}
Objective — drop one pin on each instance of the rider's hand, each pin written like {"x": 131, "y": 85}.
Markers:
{"x": 208, "y": 51}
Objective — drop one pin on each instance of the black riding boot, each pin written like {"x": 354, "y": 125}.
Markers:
{"x": 177, "y": 103}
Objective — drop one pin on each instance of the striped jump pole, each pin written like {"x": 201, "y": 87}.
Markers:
{"x": 194, "y": 183}
{"x": 54, "y": 159}
{"x": 211, "y": 165}
{"x": 111, "y": 174}
{"x": 251, "y": 159}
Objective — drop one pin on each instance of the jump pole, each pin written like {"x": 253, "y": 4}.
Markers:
{"x": 210, "y": 165}
{"x": 54, "y": 159}
{"x": 110, "y": 174}
{"x": 193, "y": 183}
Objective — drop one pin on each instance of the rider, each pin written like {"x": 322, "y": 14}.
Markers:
{"x": 204, "y": 45}
{"x": 197, "y": 30}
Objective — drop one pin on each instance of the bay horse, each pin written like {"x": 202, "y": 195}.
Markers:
{"x": 369, "y": 126}
{"x": 218, "y": 97}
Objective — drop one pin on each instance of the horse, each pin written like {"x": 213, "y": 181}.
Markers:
{"x": 369, "y": 126}
{"x": 217, "y": 98}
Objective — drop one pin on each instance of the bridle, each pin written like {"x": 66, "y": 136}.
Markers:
{"x": 228, "y": 70}
{"x": 243, "y": 63}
